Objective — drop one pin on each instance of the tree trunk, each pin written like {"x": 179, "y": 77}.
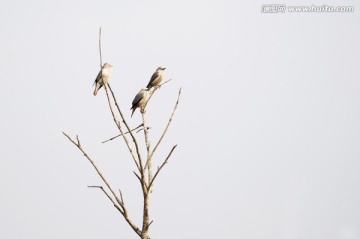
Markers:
{"x": 145, "y": 227}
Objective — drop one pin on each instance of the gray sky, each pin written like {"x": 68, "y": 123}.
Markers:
{"x": 267, "y": 128}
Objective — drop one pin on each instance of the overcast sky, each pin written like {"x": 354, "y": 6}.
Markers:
{"x": 267, "y": 128}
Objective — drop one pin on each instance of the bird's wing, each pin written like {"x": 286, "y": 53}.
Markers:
{"x": 137, "y": 99}
{"x": 97, "y": 78}
{"x": 153, "y": 77}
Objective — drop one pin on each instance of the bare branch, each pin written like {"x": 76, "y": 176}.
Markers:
{"x": 146, "y": 134}
{"x": 121, "y": 197}
{"x": 110, "y": 198}
{"x": 125, "y": 133}
{"x": 164, "y": 83}
{"x": 100, "y": 48}
{"x": 142, "y": 129}
{"x": 128, "y": 128}
{"x": 137, "y": 162}
{"x": 166, "y": 128}
{"x": 140, "y": 167}
{"x": 125, "y": 215}
{"x": 147, "y": 144}
{"x": 78, "y": 141}
{"x": 152, "y": 91}
{"x": 162, "y": 165}
{"x": 138, "y": 177}
{"x": 150, "y": 224}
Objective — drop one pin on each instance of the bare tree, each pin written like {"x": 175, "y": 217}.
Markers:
{"x": 143, "y": 165}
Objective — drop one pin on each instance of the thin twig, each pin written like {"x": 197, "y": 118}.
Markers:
{"x": 150, "y": 224}
{"x": 166, "y": 128}
{"x": 152, "y": 91}
{"x": 138, "y": 177}
{"x": 101, "y": 187}
{"x": 110, "y": 198}
{"x": 163, "y": 83}
{"x": 100, "y": 48}
{"x": 142, "y": 129}
{"x": 121, "y": 196}
{"x": 162, "y": 165}
{"x": 125, "y": 133}
{"x": 78, "y": 141}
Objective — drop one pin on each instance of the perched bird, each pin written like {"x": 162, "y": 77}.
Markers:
{"x": 103, "y": 77}
{"x": 156, "y": 78}
{"x": 140, "y": 100}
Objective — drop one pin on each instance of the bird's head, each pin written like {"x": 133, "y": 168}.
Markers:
{"x": 108, "y": 65}
{"x": 160, "y": 68}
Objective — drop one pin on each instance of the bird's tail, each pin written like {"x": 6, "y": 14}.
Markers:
{"x": 133, "y": 110}
{"x": 97, "y": 87}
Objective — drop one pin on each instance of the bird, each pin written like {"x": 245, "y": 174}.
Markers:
{"x": 156, "y": 78}
{"x": 140, "y": 100}
{"x": 103, "y": 77}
